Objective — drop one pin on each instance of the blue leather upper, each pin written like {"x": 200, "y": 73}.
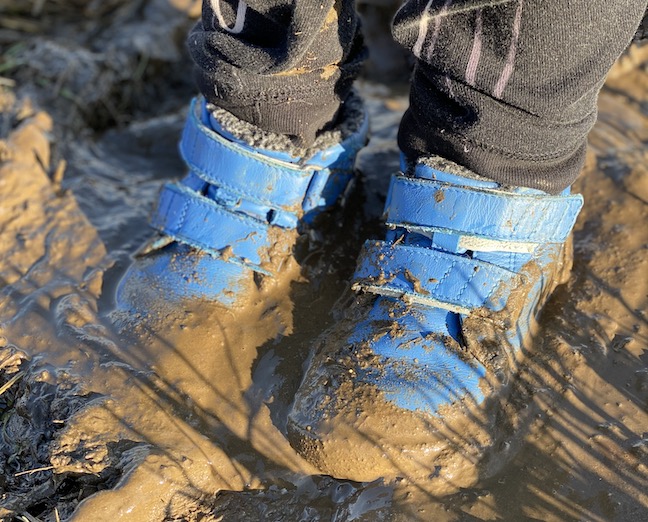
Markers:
{"x": 424, "y": 367}
{"x": 223, "y": 221}
{"x": 428, "y": 280}
{"x": 234, "y": 193}
{"x": 286, "y": 189}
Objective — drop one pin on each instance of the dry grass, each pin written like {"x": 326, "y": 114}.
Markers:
{"x": 10, "y": 382}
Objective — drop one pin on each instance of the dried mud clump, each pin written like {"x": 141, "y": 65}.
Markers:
{"x": 34, "y": 408}
{"x": 47, "y": 466}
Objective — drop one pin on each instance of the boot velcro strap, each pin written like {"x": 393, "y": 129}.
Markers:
{"x": 259, "y": 178}
{"x": 431, "y": 277}
{"x": 434, "y": 206}
{"x": 192, "y": 219}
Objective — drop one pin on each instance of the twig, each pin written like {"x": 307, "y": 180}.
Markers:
{"x": 57, "y": 177}
{"x": 26, "y": 517}
{"x": 10, "y": 382}
{"x": 35, "y": 470}
{"x": 20, "y": 24}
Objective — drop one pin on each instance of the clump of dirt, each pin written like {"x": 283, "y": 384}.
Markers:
{"x": 37, "y": 406}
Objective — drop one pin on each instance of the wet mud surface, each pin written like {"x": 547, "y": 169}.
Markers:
{"x": 184, "y": 418}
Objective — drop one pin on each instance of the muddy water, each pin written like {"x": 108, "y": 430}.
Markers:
{"x": 183, "y": 418}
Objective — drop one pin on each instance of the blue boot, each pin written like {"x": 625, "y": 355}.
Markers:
{"x": 412, "y": 381}
{"x": 231, "y": 223}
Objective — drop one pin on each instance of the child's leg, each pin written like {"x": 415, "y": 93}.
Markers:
{"x": 281, "y": 65}
{"x": 508, "y": 89}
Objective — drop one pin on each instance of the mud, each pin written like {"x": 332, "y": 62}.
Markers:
{"x": 187, "y": 420}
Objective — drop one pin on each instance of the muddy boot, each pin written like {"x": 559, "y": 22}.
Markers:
{"x": 227, "y": 230}
{"x": 413, "y": 381}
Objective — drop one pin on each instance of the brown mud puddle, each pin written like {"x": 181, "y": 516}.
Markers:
{"x": 188, "y": 422}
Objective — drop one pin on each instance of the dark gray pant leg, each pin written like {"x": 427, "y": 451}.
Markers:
{"x": 283, "y": 65}
{"x": 508, "y": 88}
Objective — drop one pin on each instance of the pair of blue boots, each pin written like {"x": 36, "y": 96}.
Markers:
{"x": 413, "y": 380}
